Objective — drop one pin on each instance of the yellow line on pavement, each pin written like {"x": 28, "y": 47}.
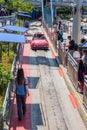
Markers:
{"x": 50, "y": 43}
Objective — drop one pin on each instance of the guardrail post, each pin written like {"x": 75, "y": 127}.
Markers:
{"x": 85, "y": 92}
{"x": 2, "y": 121}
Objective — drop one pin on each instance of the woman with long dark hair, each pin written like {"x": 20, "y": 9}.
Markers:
{"x": 21, "y": 91}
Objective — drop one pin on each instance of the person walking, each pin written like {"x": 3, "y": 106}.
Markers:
{"x": 21, "y": 84}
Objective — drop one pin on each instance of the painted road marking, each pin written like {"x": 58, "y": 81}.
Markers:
{"x": 53, "y": 56}
{"x": 73, "y": 101}
{"x": 60, "y": 72}
{"x": 25, "y": 123}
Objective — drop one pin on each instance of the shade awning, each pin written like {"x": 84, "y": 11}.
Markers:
{"x": 9, "y": 37}
{"x": 15, "y": 28}
{"x": 83, "y": 45}
{"x": 24, "y": 15}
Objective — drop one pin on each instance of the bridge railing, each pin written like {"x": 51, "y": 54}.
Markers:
{"x": 85, "y": 92}
{"x": 62, "y": 53}
{"x": 72, "y": 69}
{"x": 70, "y": 63}
{"x": 51, "y": 33}
{"x": 8, "y": 20}
{"x": 6, "y": 105}
{"x": 6, "y": 108}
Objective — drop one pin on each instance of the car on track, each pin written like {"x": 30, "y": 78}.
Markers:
{"x": 39, "y": 42}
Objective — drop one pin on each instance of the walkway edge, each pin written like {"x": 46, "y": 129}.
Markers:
{"x": 71, "y": 88}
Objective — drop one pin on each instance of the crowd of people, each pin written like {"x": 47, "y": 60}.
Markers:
{"x": 80, "y": 56}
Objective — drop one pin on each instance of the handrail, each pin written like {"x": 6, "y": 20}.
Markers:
{"x": 7, "y": 100}
{"x": 12, "y": 18}
{"x": 85, "y": 92}
{"x": 73, "y": 61}
{"x": 85, "y": 80}
{"x": 5, "y": 104}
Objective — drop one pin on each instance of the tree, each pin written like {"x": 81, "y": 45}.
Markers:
{"x": 5, "y": 76}
{"x": 18, "y": 5}
{"x": 64, "y": 12}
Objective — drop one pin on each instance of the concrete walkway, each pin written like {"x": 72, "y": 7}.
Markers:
{"x": 25, "y": 124}
{"x": 78, "y": 96}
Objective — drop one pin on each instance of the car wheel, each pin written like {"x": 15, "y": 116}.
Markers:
{"x": 33, "y": 49}
{"x": 46, "y": 49}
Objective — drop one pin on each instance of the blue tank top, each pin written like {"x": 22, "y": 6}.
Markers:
{"x": 20, "y": 89}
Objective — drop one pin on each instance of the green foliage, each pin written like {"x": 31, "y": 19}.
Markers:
{"x": 5, "y": 66}
{"x": 12, "y": 47}
{"x": 18, "y": 5}
{"x": 5, "y": 77}
{"x": 64, "y": 12}
{"x": 5, "y": 71}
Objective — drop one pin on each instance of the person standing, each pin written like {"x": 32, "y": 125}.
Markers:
{"x": 21, "y": 92}
{"x": 76, "y": 53}
{"x": 81, "y": 73}
{"x": 71, "y": 46}
{"x": 60, "y": 37}
{"x": 84, "y": 59}
{"x": 26, "y": 24}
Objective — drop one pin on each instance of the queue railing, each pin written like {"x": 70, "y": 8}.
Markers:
{"x": 72, "y": 70}
{"x": 85, "y": 92}
{"x": 62, "y": 53}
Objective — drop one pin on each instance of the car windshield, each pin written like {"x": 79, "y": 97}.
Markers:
{"x": 39, "y": 36}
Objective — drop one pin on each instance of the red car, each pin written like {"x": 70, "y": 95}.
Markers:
{"x": 39, "y": 41}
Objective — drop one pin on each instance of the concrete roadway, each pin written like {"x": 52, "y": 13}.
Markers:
{"x": 51, "y": 105}
{"x": 57, "y": 107}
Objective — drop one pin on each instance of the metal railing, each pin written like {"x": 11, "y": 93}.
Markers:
{"x": 51, "y": 33}
{"x": 56, "y": 2}
{"x": 6, "y": 105}
{"x": 72, "y": 65}
{"x": 8, "y": 20}
{"x": 6, "y": 108}
{"x": 85, "y": 92}
{"x": 72, "y": 69}
{"x": 62, "y": 53}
